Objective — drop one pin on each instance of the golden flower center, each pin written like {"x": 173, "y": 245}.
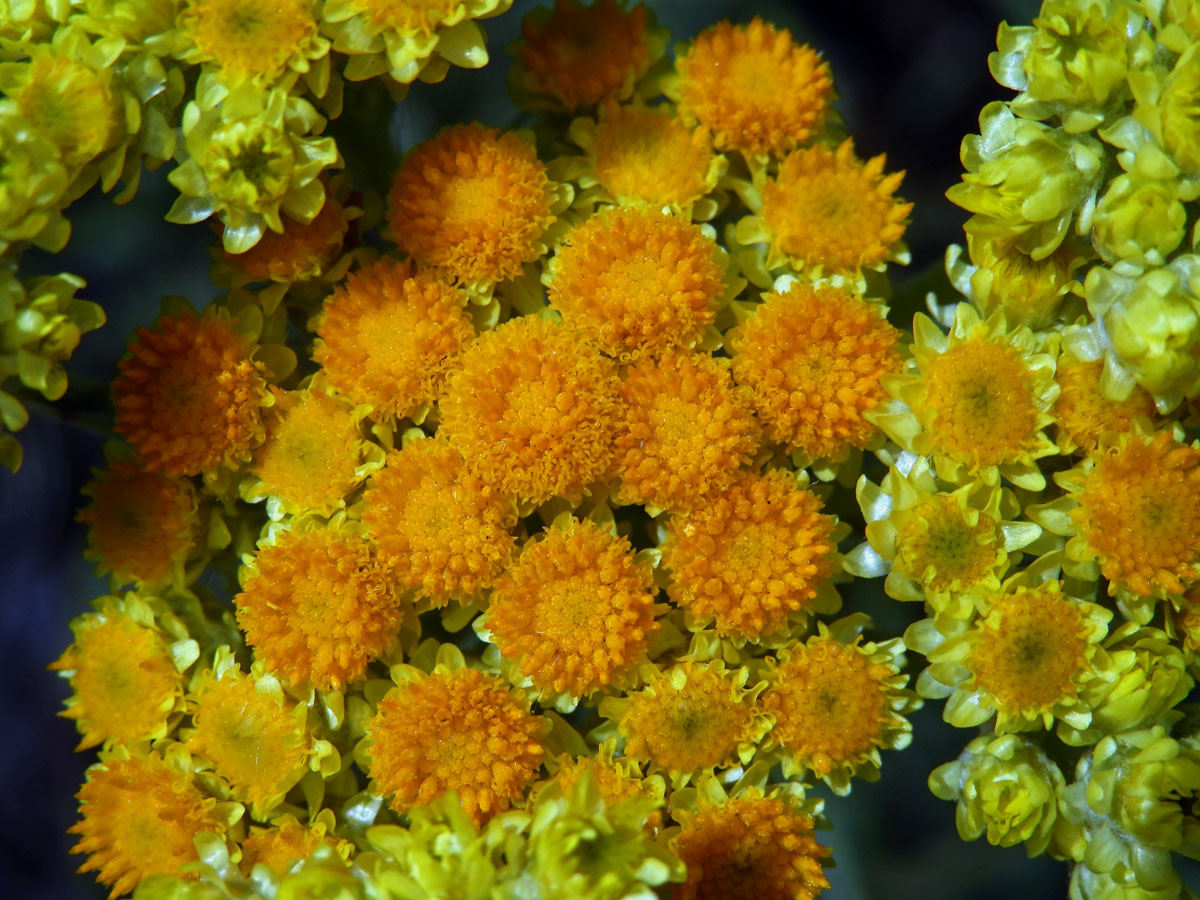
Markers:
{"x": 73, "y": 105}
{"x": 640, "y": 153}
{"x": 249, "y": 38}
{"x": 940, "y": 548}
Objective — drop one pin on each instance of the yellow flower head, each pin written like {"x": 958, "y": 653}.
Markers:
{"x": 1166, "y": 104}
{"x": 617, "y": 779}
{"x": 752, "y": 557}
{"x": 126, "y": 686}
{"x": 532, "y": 408}
{"x": 318, "y": 606}
{"x": 836, "y": 703}
{"x": 442, "y": 528}
{"x": 251, "y": 40}
{"x": 976, "y": 400}
{"x": 580, "y": 56}
{"x": 387, "y": 336}
{"x": 455, "y": 729}
{"x": 139, "y": 818}
{"x": 287, "y": 841}
{"x": 138, "y": 22}
{"x": 813, "y": 358}
{"x": 300, "y": 252}
{"x": 753, "y": 87}
{"x": 1083, "y": 414}
{"x": 637, "y": 281}
{"x": 688, "y": 718}
{"x": 141, "y": 524}
{"x": 576, "y": 611}
{"x": 686, "y": 434}
{"x": 825, "y": 212}
{"x": 32, "y": 181}
{"x": 474, "y": 201}
{"x": 647, "y": 155}
{"x": 189, "y": 396}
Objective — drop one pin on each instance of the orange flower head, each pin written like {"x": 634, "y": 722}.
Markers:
{"x": 583, "y": 55}
{"x": 813, "y": 358}
{"x": 189, "y": 397}
{"x": 443, "y": 530}
{"x": 637, "y": 281}
{"x": 141, "y": 524}
{"x": 474, "y": 201}
{"x": 532, "y": 408}
{"x": 319, "y": 607}
{"x": 300, "y": 252}
{"x": 285, "y": 842}
{"x": 617, "y": 780}
{"x": 752, "y": 556}
{"x": 139, "y": 818}
{"x": 576, "y": 611}
{"x": 753, "y": 87}
{"x": 1082, "y": 412}
{"x": 688, "y": 431}
{"x": 827, "y": 211}
{"x": 750, "y": 847}
{"x": 457, "y": 730}
{"x": 387, "y": 336}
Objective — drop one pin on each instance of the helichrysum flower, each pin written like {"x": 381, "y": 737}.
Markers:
{"x": 637, "y": 281}
{"x": 474, "y": 201}
{"x": 1141, "y": 221}
{"x": 1005, "y": 787}
{"x": 318, "y": 606}
{"x": 687, "y": 431}
{"x": 752, "y": 557}
{"x": 142, "y": 23}
{"x": 454, "y": 729}
{"x": 976, "y": 400}
{"x": 300, "y": 252}
{"x": 441, "y": 527}
{"x": 813, "y": 359}
{"x": 753, "y": 87}
{"x": 1165, "y": 101}
{"x": 286, "y": 841}
{"x": 532, "y": 407}
{"x": 836, "y": 702}
{"x": 1083, "y": 415}
{"x": 33, "y": 180}
{"x": 616, "y": 779}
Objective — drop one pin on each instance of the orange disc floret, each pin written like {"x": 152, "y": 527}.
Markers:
{"x": 141, "y": 524}
{"x": 687, "y": 431}
{"x": 189, "y": 397}
{"x": 532, "y": 408}
{"x": 637, "y": 281}
{"x": 318, "y": 607}
{"x": 813, "y": 358}
{"x": 583, "y": 55}
{"x": 825, "y": 210}
{"x": 1082, "y": 412}
{"x": 753, "y": 87}
{"x": 751, "y": 847}
{"x": 125, "y": 685}
{"x": 139, "y": 818}
{"x": 649, "y": 155}
{"x": 443, "y": 529}
{"x": 298, "y": 253}
{"x": 1139, "y": 512}
{"x": 458, "y": 730}
{"x": 474, "y": 201}
{"x": 576, "y": 611}
{"x": 750, "y": 557}
{"x": 387, "y": 336}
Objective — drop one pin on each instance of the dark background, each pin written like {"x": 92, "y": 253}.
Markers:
{"x": 911, "y": 77}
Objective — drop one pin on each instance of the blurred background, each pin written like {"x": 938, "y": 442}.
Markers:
{"x": 911, "y": 77}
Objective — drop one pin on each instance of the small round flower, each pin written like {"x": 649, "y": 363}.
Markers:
{"x": 287, "y": 841}
{"x": 753, "y": 87}
{"x": 691, "y": 717}
{"x": 1083, "y": 414}
{"x": 813, "y": 358}
{"x": 532, "y": 408}
{"x": 576, "y": 611}
{"x": 189, "y": 396}
{"x": 580, "y": 56}
{"x": 472, "y": 200}
{"x": 300, "y": 252}
{"x": 125, "y": 684}
{"x": 1025, "y": 659}
{"x": 752, "y": 557}
{"x": 976, "y": 401}
{"x": 33, "y": 179}
{"x": 637, "y": 281}
{"x": 687, "y": 432}
{"x": 139, "y": 818}
{"x": 318, "y": 606}
{"x": 1166, "y": 105}
{"x": 441, "y": 528}
{"x": 141, "y": 525}
{"x": 827, "y": 213}
{"x": 251, "y": 40}
{"x": 387, "y": 336}
{"x": 456, "y": 729}
{"x": 749, "y": 846}
{"x": 837, "y": 702}
{"x": 616, "y": 779}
